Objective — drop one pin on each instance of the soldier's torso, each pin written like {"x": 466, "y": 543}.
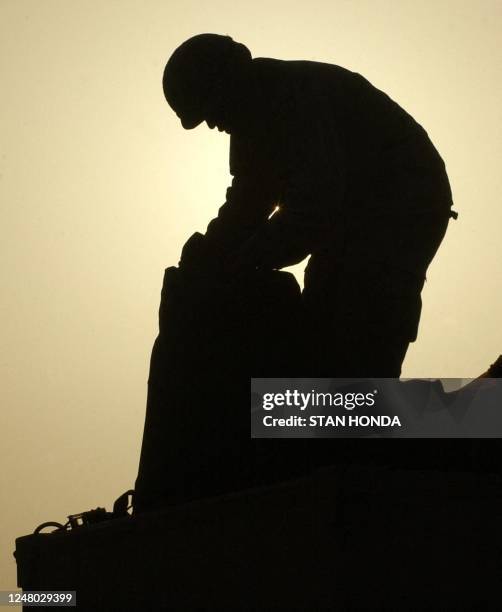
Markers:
{"x": 360, "y": 144}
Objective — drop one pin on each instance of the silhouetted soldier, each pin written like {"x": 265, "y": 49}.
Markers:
{"x": 360, "y": 188}
{"x": 358, "y": 183}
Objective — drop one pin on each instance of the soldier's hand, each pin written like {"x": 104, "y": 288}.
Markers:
{"x": 193, "y": 251}
{"x": 252, "y": 255}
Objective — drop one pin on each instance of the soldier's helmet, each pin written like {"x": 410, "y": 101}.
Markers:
{"x": 195, "y": 72}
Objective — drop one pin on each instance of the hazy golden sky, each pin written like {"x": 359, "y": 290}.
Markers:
{"x": 100, "y": 186}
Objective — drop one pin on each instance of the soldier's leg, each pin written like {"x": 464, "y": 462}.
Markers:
{"x": 365, "y": 329}
{"x": 364, "y": 307}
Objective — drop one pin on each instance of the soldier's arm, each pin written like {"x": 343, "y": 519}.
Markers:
{"x": 245, "y": 211}
{"x": 313, "y": 188}
{"x": 249, "y": 201}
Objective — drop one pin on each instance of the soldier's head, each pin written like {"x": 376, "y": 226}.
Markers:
{"x": 202, "y": 80}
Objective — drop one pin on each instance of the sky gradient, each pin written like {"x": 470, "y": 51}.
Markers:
{"x": 100, "y": 186}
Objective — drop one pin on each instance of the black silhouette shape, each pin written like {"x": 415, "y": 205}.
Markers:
{"x": 323, "y": 164}
{"x": 358, "y": 183}
{"x": 213, "y": 335}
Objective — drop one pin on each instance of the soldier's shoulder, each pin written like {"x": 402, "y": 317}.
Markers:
{"x": 273, "y": 66}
